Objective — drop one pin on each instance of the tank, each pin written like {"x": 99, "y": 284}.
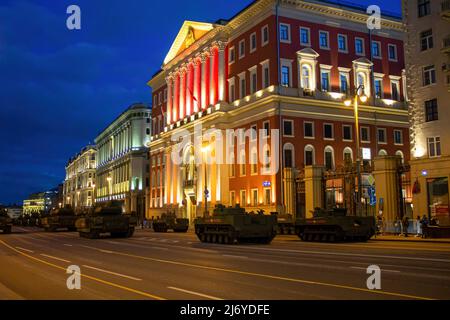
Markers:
{"x": 285, "y": 224}
{"x": 334, "y": 225}
{"x": 228, "y": 225}
{"x": 5, "y": 221}
{"x": 61, "y": 218}
{"x": 107, "y": 218}
{"x": 169, "y": 221}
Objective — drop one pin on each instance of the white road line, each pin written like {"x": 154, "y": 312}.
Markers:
{"x": 195, "y": 293}
{"x": 113, "y": 273}
{"x": 159, "y": 248}
{"x": 232, "y": 256}
{"x": 105, "y": 251}
{"x": 67, "y": 245}
{"x": 55, "y": 258}
{"x": 23, "y": 249}
{"x": 382, "y": 270}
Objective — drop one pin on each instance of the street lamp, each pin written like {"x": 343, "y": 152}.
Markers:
{"x": 205, "y": 149}
{"x": 359, "y": 96}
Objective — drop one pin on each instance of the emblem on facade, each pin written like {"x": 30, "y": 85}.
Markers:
{"x": 190, "y": 39}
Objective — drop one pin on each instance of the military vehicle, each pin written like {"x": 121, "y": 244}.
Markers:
{"x": 61, "y": 218}
{"x": 5, "y": 221}
{"x": 169, "y": 221}
{"x": 228, "y": 225}
{"x": 285, "y": 224}
{"x": 335, "y": 225}
{"x": 107, "y": 218}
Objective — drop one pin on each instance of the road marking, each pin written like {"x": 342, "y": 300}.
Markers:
{"x": 232, "y": 256}
{"x": 272, "y": 277}
{"x": 55, "y": 258}
{"x": 23, "y": 249}
{"x": 142, "y": 293}
{"x": 195, "y": 293}
{"x": 105, "y": 251}
{"x": 382, "y": 270}
{"x": 67, "y": 245}
{"x": 113, "y": 273}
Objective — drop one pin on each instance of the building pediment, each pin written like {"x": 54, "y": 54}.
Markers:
{"x": 189, "y": 33}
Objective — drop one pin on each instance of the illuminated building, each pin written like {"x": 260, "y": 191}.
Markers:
{"x": 276, "y": 65}
{"x": 79, "y": 184}
{"x": 428, "y": 72}
{"x": 41, "y": 202}
{"x": 122, "y": 159}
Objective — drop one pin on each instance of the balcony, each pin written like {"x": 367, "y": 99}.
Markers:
{"x": 445, "y": 9}
{"x": 446, "y": 45}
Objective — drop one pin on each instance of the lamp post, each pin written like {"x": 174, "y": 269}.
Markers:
{"x": 359, "y": 96}
{"x": 205, "y": 149}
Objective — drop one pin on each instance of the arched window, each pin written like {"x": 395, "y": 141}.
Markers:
{"x": 348, "y": 155}
{"x": 306, "y": 76}
{"x": 309, "y": 155}
{"x": 288, "y": 152}
{"x": 329, "y": 158}
{"x": 400, "y": 154}
{"x": 382, "y": 153}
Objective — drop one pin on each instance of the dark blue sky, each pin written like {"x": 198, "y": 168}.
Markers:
{"x": 59, "y": 88}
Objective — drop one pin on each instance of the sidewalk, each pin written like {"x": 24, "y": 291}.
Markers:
{"x": 410, "y": 238}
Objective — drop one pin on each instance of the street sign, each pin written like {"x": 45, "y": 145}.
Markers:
{"x": 372, "y": 196}
{"x": 371, "y": 180}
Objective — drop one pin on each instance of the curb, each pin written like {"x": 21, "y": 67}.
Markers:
{"x": 413, "y": 240}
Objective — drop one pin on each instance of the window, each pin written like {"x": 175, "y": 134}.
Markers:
{"x": 376, "y": 49}
{"x": 378, "y": 88}
{"x": 241, "y": 48}
{"x": 148, "y": 131}
{"x": 255, "y": 197}
{"x": 254, "y": 162}
{"x": 253, "y": 42}
{"x": 253, "y": 132}
{"x": 359, "y": 46}
{"x": 348, "y": 155}
{"x": 285, "y": 75}
{"x": 434, "y": 147}
{"x": 423, "y": 8}
{"x": 305, "y": 36}
{"x": 267, "y": 196}
{"x": 232, "y": 90}
{"x": 429, "y": 75}
{"x": 266, "y": 76}
{"x": 243, "y": 197}
{"x": 329, "y": 158}
{"x": 308, "y": 128}
{"x": 232, "y": 198}
{"x": 395, "y": 90}
{"x": 288, "y": 156}
{"x": 361, "y": 79}
{"x": 285, "y": 33}
{"x": 243, "y": 92}
{"x": 342, "y": 43}
{"x": 426, "y": 40}
{"x": 165, "y": 95}
{"x": 253, "y": 80}
{"x": 398, "y": 137}
{"x": 365, "y": 134}
{"x": 306, "y": 77}
{"x": 265, "y": 35}
{"x": 324, "y": 40}
{"x": 325, "y": 80}
{"x": 288, "y": 128}
{"x": 381, "y": 136}
{"x": 347, "y": 133}
{"x": 343, "y": 79}
{"x": 392, "y": 50}
{"x": 232, "y": 165}
{"x": 431, "y": 110}
{"x": 309, "y": 155}
{"x": 232, "y": 55}
{"x": 328, "y": 131}
{"x": 243, "y": 164}
{"x": 266, "y": 128}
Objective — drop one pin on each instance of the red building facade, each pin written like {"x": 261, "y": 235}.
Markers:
{"x": 286, "y": 67}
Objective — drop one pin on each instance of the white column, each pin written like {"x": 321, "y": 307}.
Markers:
{"x": 196, "y": 106}
{"x": 212, "y": 84}
{"x": 222, "y": 80}
{"x": 204, "y": 58}
{"x": 169, "y": 81}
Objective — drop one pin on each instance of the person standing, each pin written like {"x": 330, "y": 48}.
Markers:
{"x": 405, "y": 224}
{"x": 418, "y": 227}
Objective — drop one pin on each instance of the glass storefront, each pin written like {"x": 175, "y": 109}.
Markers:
{"x": 438, "y": 200}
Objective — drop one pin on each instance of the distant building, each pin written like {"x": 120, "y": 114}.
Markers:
{"x": 41, "y": 202}
{"x": 122, "y": 159}
{"x": 427, "y": 54}
{"x": 80, "y": 179}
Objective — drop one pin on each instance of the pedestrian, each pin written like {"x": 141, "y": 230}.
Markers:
{"x": 418, "y": 227}
{"x": 424, "y": 225}
{"x": 405, "y": 224}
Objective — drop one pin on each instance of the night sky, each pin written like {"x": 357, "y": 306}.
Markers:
{"x": 59, "y": 88}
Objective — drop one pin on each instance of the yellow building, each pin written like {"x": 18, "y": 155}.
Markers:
{"x": 427, "y": 50}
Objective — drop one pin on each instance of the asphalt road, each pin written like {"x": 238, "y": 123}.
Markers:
{"x": 177, "y": 266}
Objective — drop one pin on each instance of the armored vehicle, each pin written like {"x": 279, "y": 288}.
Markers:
{"x": 285, "y": 224}
{"x": 169, "y": 221}
{"x": 107, "y": 218}
{"x": 230, "y": 225}
{"x": 5, "y": 221}
{"x": 335, "y": 225}
{"x": 61, "y": 218}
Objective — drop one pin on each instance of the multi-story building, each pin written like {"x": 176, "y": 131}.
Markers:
{"x": 41, "y": 202}
{"x": 281, "y": 67}
{"x": 79, "y": 184}
{"x": 122, "y": 159}
{"x": 428, "y": 71}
